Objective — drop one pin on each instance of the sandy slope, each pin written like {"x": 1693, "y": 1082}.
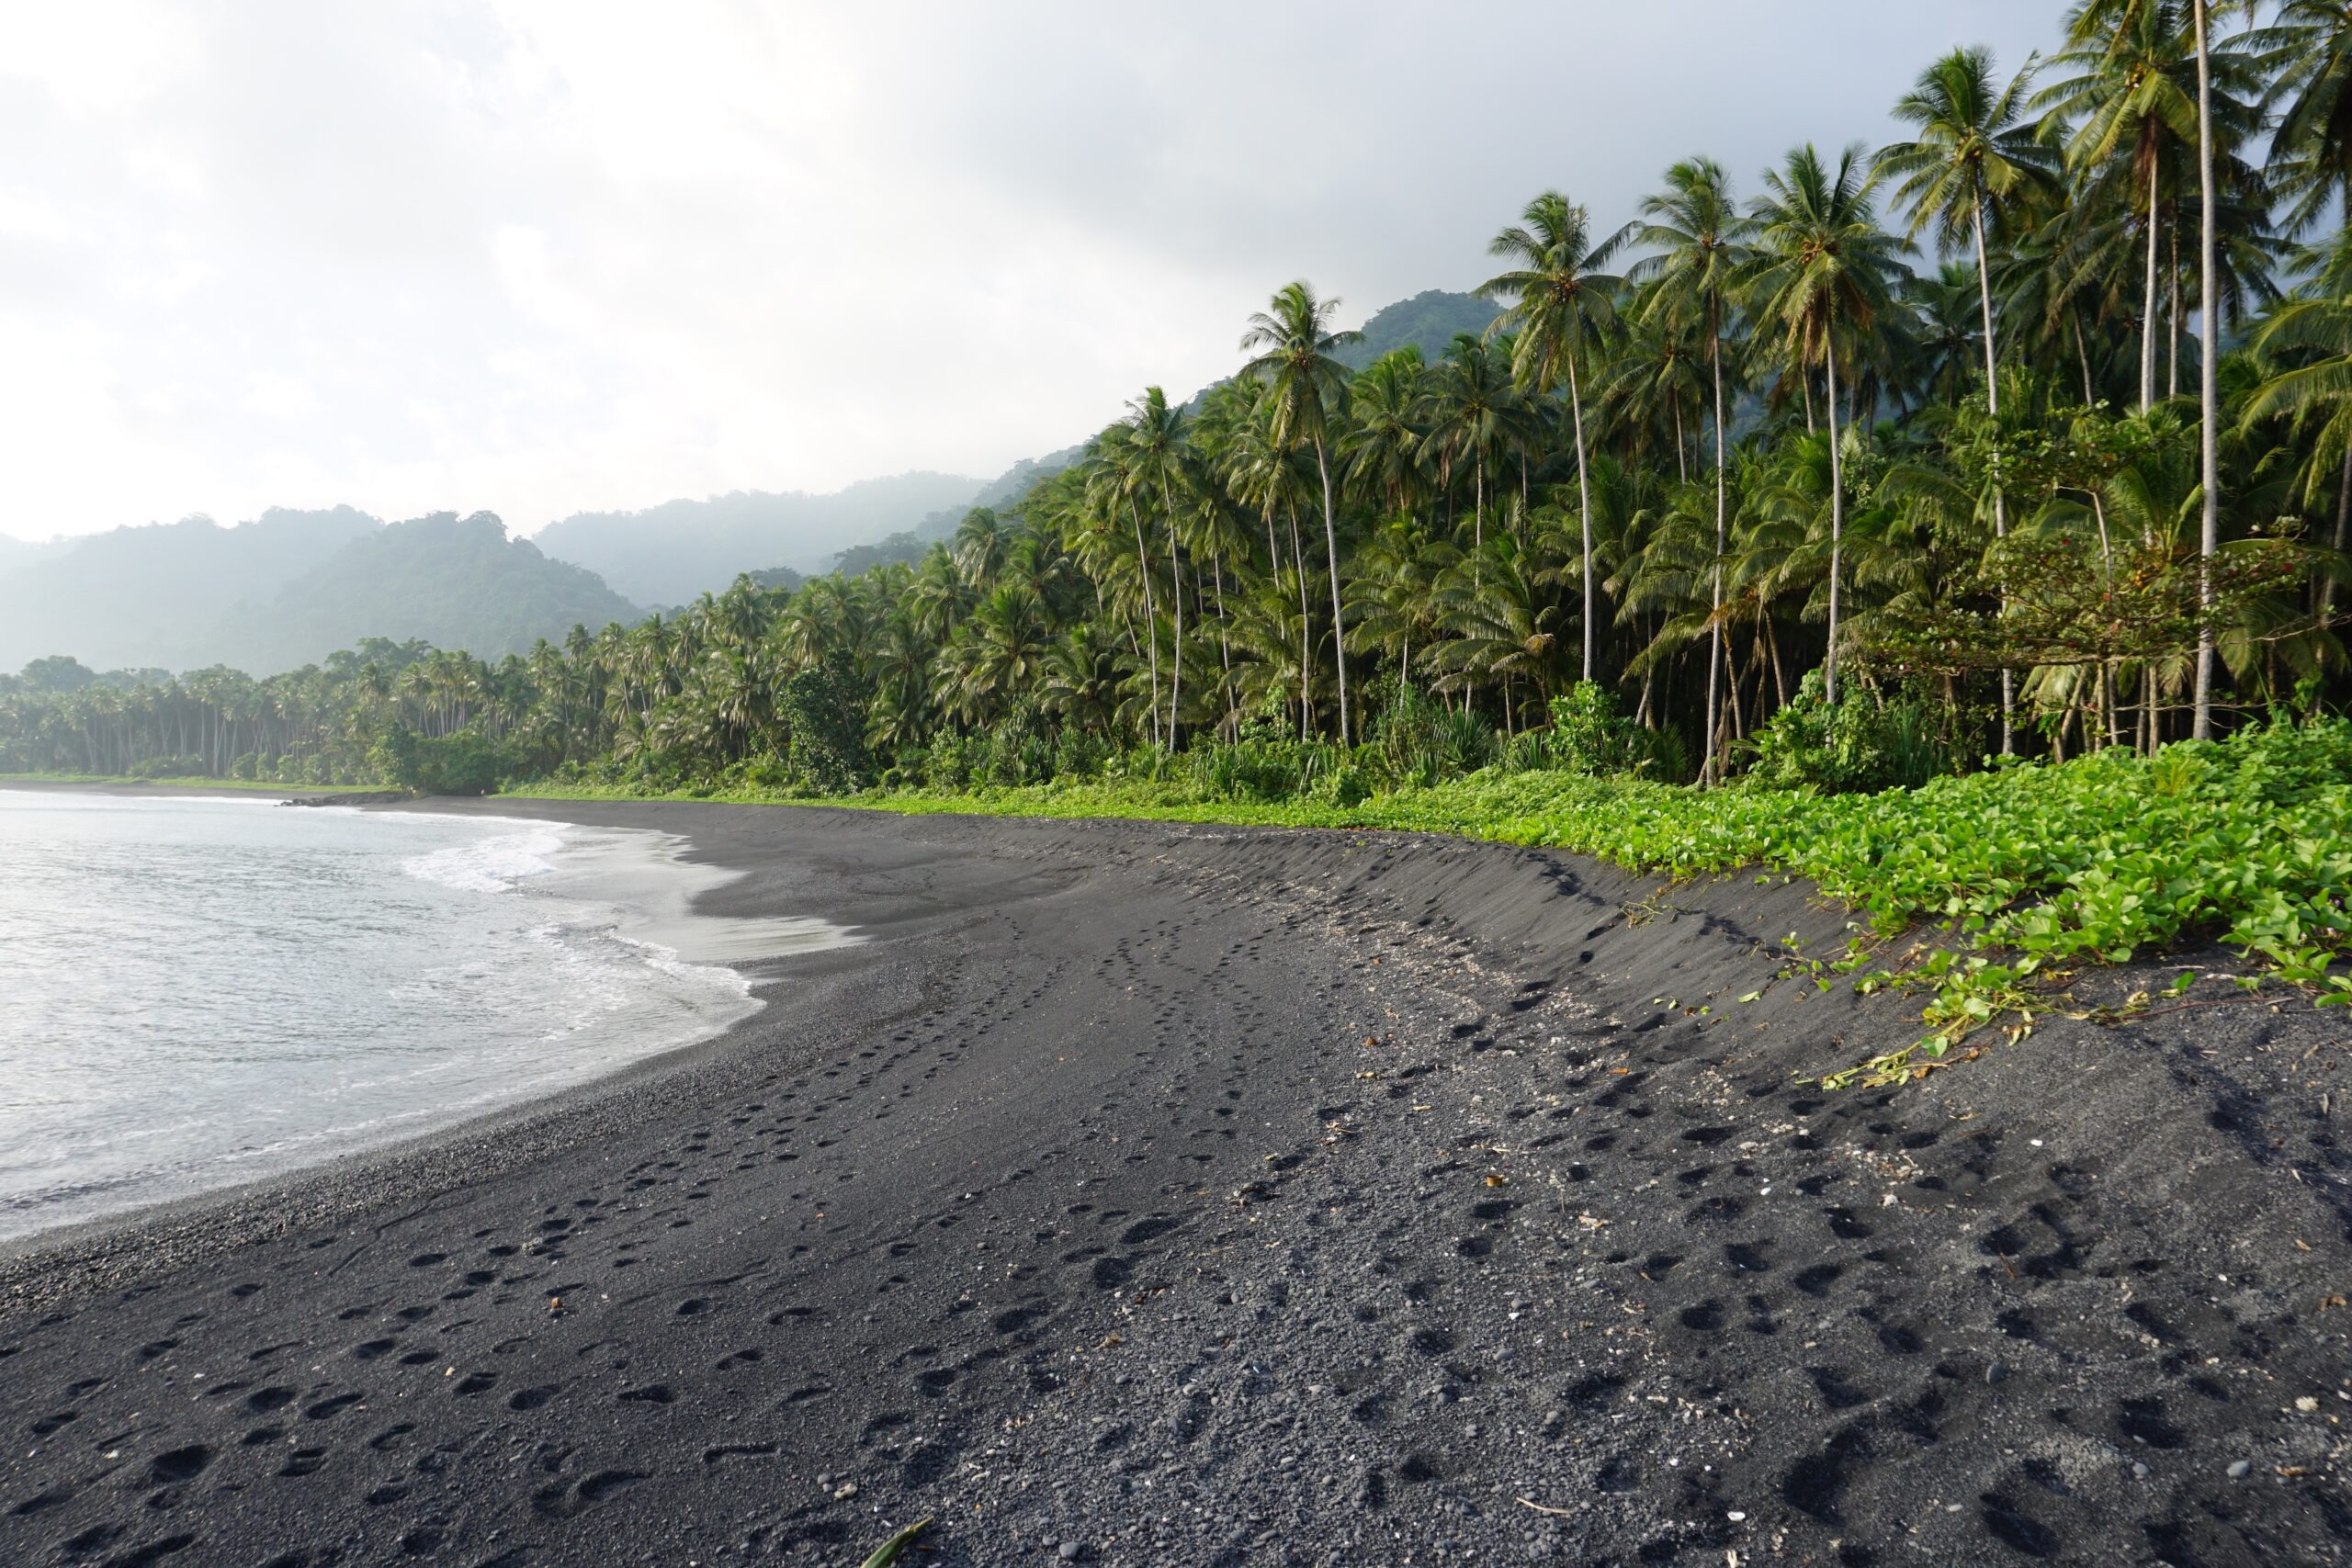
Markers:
{"x": 1177, "y": 1195}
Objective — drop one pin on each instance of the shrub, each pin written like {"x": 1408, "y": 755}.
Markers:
{"x": 1864, "y": 743}
{"x": 185, "y": 767}
{"x": 467, "y": 762}
{"x": 824, "y": 710}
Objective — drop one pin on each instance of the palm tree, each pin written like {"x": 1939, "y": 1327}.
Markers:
{"x": 1559, "y": 303}
{"x": 2315, "y": 388}
{"x": 2208, "y": 402}
{"x": 1383, "y": 441}
{"x": 2131, "y": 90}
{"x": 1653, "y": 380}
{"x": 1702, "y": 241}
{"x": 1159, "y": 457}
{"x": 1475, "y": 415}
{"x": 1293, "y": 341}
{"x": 2306, "y": 53}
{"x": 1111, "y": 485}
{"x": 1823, "y": 277}
{"x": 1974, "y": 161}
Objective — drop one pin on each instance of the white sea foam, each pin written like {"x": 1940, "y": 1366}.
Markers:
{"x": 491, "y": 865}
{"x": 309, "y": 982}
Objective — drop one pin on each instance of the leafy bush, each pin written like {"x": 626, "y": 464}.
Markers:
{"x": 824, "y": 710}
{"x": 465, "y": 762}
{"x": 184, "y": 768}
{"x": 1589, "y": 735}
{"x": 1268, "y": 762}
{"x": 1864, "y": 743}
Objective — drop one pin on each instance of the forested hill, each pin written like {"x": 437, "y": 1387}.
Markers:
{"x": 153, "y": 595}
{"x": 1426, "y": 321}
{"x": 290, "y": 588}
{"x": 454, "y": 582}
{"x": 670, "y": 553}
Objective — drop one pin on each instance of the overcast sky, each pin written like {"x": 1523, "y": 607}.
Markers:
{"x": 545, "y": 258}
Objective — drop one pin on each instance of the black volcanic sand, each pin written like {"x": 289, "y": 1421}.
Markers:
{"x": 1165, "y": 1195}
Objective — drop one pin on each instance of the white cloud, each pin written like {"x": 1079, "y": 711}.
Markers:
{"x": 539, "y": 256}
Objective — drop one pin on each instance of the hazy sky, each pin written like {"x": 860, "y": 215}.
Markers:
{"x": 542, "y": 258}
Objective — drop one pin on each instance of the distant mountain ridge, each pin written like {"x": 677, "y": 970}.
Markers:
{"x": 289, "y": 588}
{"x": 452, "y": 581}
{"x": 293, "y": 586}
{"x": 150, "y": 595}
{"x": 670, "y": 553}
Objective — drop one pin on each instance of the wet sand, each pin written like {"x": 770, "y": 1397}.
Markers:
{"x": 1156, "y": 1194}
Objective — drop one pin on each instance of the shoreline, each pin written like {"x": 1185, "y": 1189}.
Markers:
{"x": 1191, "y": 1194}
{"x": 659, "y": 913}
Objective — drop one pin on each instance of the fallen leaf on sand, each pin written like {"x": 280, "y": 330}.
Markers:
{"x": 891, "y": 1551}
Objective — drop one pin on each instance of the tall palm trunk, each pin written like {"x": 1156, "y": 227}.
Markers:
{"x": 2172, "y": 311}
{"x": 2208, "y": 440}
{"x": 1584, "y": 504}
{"x": 1993, "y": 407}
{"x": 1176, "y": 589}
{"x": 2148, "y": 305}
{"x": 1338, "y": 627}
{"x": 2342, "y": 532}
{"x": 2083, "y": 354}
{"x": 1306, "y": 686}
{"x": 1837, "y": 524}
{"x": 1707, "y": 770}
{"x": 1150, "y": 614}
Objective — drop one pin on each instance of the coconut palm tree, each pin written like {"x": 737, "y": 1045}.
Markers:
{"x": 2132, "y": 89}
{"x": 1159, "y": 462}
{"x": 1702, "y": 244}
{"x": 1112, "y": 483}
{"x": 1383, "y": 441}
{"x": 2307, "y": 344}
{"x": 2305, "y": 53}
{"x": 1824, "y": 278}
{"x": 1293, "y": 341}
{"x": 1975, "y": 163}
{"x": 1558, "y": 304}
{"x": 1474, "y": 416}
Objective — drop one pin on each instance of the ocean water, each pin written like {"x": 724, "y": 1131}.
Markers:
{"x": 200, "y": 992}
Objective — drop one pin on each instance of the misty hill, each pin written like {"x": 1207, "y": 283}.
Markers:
{"x": 1426, "y": 321}
{"x": 908, "y": 544}
{"x": 452, "y": 581}
{"x": 670, "y": 553}
{"x": 149, "y": 595}
{"x": 16, "y": 554}
{"x": 291, "y": 588}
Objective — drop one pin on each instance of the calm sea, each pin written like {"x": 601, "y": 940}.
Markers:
{"x": 199, "y": 992}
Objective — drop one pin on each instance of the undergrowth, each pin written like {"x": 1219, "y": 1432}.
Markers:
{"x": 2021, "y": 874}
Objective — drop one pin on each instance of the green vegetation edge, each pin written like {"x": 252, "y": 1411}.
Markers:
{"x": 244, "y": 786}
{"x": 2013, "y": 880}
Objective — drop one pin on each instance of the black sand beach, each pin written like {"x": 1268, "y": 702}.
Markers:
{"x": 1166, "y": 1195}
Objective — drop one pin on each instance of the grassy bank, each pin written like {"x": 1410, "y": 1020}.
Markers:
{"x": 2029, "y": 872}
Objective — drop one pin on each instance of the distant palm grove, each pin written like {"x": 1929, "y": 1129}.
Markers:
{"x": 1869, "y": 466}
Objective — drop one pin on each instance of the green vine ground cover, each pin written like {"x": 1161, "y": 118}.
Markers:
{"x": 2029, "y": 872}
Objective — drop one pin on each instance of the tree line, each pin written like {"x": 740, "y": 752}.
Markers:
{"x": 1915, "y": 451}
